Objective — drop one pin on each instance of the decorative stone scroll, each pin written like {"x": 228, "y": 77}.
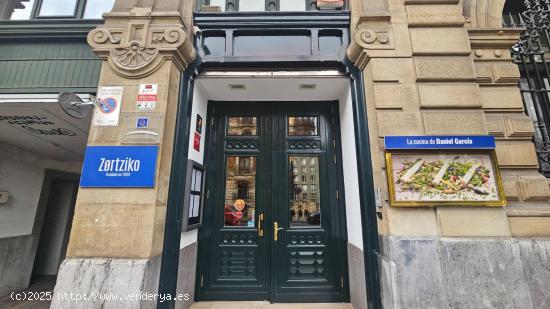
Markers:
{"x": 372, "y": 33}
{"x": 138, "y": 46}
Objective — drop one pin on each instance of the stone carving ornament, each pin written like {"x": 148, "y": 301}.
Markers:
{"x": 134, "y": 56}
{"x": 371, "y": 33}
{"x": 137, "y": 48}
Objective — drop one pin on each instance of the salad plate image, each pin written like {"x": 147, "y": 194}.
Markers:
{"x": 445, "y": 178}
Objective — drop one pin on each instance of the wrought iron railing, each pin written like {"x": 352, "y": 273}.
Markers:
{"x": 532, "y": 54}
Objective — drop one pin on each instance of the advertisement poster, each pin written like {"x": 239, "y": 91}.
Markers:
{"x": 147, "y": 97}
{"x": 108, "y": 112}
{"x": 443, "y": 177}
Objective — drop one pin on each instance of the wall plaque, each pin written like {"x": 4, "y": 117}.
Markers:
{"x": 142, "y": 128}
{"x": 443, "y": 170}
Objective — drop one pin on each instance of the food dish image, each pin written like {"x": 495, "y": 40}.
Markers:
{"x": 443, "y": 178}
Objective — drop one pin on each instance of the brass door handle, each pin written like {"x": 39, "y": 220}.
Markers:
{"x": 260, "y": 230}
{"x": 276, "y": 230}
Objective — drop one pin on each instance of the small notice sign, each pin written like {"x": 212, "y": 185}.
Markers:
{"x": 440, "y": 142}
{"x": 147, "y": 97}
{"x": 108, "y": 112}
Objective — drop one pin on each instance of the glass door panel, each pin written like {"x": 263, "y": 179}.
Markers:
{"x": 305, "y": 201}
{"x": 240, "y": 191}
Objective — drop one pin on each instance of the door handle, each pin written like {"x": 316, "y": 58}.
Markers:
{"x": 276, "y": 230}
{"x": 260, "y": 230}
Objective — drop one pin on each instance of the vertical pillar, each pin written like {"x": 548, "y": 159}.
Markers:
{"x": 117, "y": 233}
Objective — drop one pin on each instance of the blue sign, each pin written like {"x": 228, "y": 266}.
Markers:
{"x": 440, "y": 142}
{"x": 142, "y": 122}
{"x": 119, "y": 166}
{"x": 108, "y": 105}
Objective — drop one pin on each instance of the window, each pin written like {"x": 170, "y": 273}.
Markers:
{"x": 63, "y": 8}
{"x": 241, "y": 126}
{"x": 303, "y": 126}
{"x": 266, "y": 5}
{"x": 532, "y": 54}
{"x": 95, "y": 8}
{"x": 54, "y": 9}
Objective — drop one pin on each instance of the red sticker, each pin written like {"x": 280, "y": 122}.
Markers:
{"x": 197, "y": 142}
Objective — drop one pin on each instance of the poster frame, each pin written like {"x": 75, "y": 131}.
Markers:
{"x": 501, "y": 202}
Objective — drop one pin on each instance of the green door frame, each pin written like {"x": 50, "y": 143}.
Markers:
{"x": 172, "y": 231}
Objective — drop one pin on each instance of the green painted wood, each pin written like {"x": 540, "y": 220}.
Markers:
{"x": 51, "y": 66}
{"x": 307, "y": 263}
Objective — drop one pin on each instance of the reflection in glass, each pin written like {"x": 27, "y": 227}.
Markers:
{"x": 304, "y": 201}
{"x": 220, "y": 3}
{"x": 57, "y": 7}
{"x": 241, "y": 126}
{"x": 15, "y": 9}
{"x": 292, "y": 5}
{"x": 303, "y": 126}
{"x": 240, "y": 191}
{"x": 251, "y": 5}
{"x": 94, "y": 8}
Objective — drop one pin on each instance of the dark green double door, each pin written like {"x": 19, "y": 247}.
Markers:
{"x": 274, "y": 226}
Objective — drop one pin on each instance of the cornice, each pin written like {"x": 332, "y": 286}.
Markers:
{"x": 494, "y": 38}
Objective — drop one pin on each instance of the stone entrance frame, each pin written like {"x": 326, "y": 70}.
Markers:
{"x": 430, "y": 67}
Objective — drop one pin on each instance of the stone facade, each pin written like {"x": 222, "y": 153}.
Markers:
{"x": 430, "y": 67}
{"x": 444, "y": 68}
{"x": 117, "y": 235}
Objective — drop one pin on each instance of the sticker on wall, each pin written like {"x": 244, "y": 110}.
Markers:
{"x": 142, "y": 122}
{"x": 141, "y": 128}
{"x": 147, "y": 97}
{"x": 108, "y": 113}
{"x": 198, "y": 126}
{"x": 197, "y": 142}
{"x": 197, "y": 136}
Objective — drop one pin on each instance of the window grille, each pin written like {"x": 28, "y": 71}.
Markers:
{"x": 532, "y": 54}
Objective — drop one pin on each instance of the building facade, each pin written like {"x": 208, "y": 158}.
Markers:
{"x": 270, "y": 177}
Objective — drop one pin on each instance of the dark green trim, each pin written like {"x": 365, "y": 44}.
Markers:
{"x": 367, "y": 204}
{"x": 50, "y": 28}
{"x": 168, "y": 278}
{"x": 170, "y": 257}
{"x": 48, "y": 66}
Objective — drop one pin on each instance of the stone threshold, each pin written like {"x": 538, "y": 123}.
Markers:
{"x": 267, "y": 305}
